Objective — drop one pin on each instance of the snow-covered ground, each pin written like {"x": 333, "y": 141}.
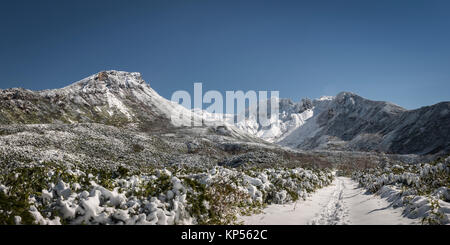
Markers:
{"x": 54, "y": 194}
{"x": 343, "y": 202}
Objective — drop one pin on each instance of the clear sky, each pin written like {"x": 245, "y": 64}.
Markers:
{"x": 393, "y": 50}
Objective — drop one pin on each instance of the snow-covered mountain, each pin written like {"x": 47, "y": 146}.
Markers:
{"x": 350, "y": 122}
{"x": 111, "y": 97}
{"x": 107, "y": 97}
{"x": 344, "y": 122}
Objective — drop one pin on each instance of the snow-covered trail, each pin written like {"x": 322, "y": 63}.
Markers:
{"x": 340, "y": 203}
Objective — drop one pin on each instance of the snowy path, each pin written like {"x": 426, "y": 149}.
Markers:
{"x": 340, "y": 203}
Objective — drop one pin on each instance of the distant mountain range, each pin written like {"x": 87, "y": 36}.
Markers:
{"x": 345, "y": 122}
{"x": 350, "y": 122}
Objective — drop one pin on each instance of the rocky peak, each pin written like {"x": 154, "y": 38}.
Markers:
{"x": 102, "y": 76}
{"x": 112, "y": 81}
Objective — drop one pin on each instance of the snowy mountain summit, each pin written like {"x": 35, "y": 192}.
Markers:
{"x": 114, "y": 98}
{"x": 109, "y": 97}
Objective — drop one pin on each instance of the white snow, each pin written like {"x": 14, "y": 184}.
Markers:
{"x": 126, "y": 200}
{"x": 114, "y": 102}
{"x": 286, "y": 124}
{"x": 322, "y": 98}
{"x": 340, "y": 203}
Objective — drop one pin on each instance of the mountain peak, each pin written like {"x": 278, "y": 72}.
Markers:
{"x": 325, "y": 98}
{"x": 120, "y": 78}
{"x": 105, "y": 75}
{"x": 106, "y": 80}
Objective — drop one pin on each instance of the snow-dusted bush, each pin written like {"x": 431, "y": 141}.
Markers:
{"x": 51, "y": 194}
{"x": 422, "y": 189}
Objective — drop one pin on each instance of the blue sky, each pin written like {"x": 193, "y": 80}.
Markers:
{"x": 393, "y": 50}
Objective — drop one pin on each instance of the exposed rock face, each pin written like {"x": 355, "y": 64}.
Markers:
{"x": 102, "y": 76}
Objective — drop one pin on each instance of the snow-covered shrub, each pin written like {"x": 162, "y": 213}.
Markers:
{"x": 422, "y": 189}
{"x": 53, "y": 194}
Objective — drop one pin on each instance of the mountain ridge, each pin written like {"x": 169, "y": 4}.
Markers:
{"x": 350, "y": 122}
{"x": 346, "y": 121}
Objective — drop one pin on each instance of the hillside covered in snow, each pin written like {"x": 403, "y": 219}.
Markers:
{"x": 351, "y": 123}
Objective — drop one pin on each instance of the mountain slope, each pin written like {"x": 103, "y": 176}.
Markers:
{"x": 114, "y": 118}
{"x": 113, "y": 98}
{"x": 350, "y": 122}
{"x": 110, "y": 97}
